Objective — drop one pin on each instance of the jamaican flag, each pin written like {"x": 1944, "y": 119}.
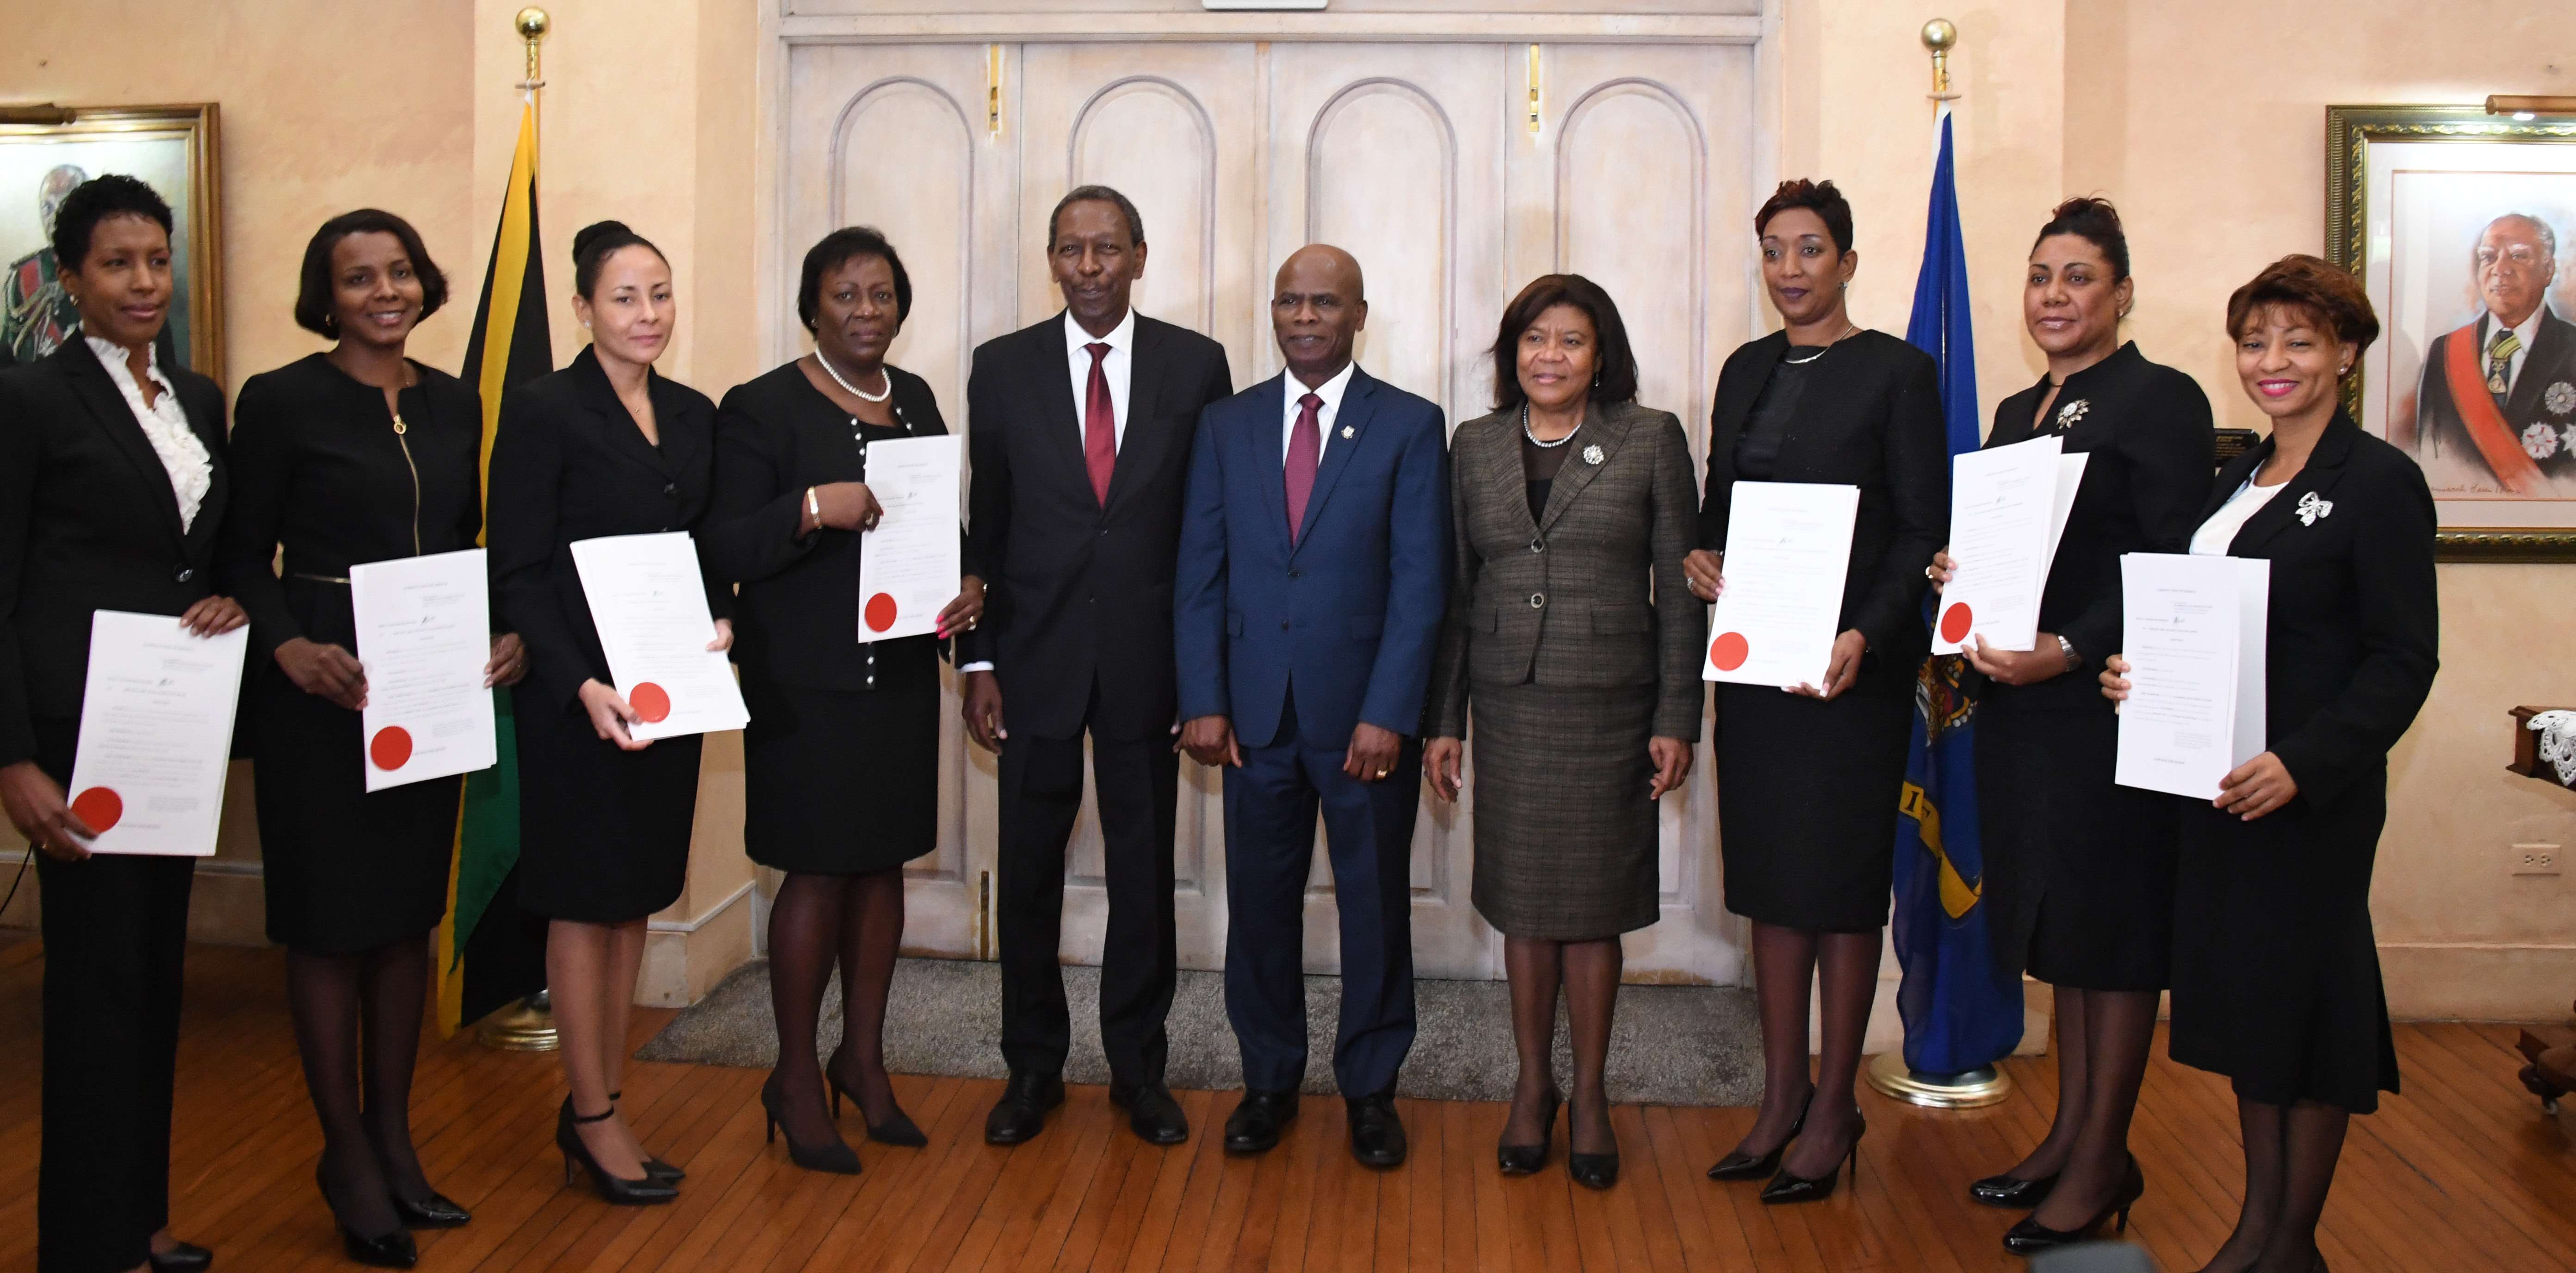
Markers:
{"x": 488, "y": 952}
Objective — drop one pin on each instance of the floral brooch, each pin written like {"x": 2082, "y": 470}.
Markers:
{"x": 1592, "y": 454}
{"x": 2311, "y": 508}
{"x": 2540, "y": 441}
{"x": 2560, "y": 398}
{"x": 2068, "y": 415}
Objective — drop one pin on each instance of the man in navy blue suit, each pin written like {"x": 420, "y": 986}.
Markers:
{"x": 1313, "y": 569}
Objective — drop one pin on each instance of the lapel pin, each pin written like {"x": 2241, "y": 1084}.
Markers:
{"x": 1592, "y": 454}
{"x": 1349, "y": 431}
{"x": 2072, "y": 413}
{"x": 2311, "y": 508}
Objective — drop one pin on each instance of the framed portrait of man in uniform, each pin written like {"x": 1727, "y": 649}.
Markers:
{"x": 47, "y": 150}
{"x": 2462, "y": 227}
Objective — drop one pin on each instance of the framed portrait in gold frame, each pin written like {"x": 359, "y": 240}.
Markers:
{"x": 47, "y": 150}
{"x": 2462, "y": 228}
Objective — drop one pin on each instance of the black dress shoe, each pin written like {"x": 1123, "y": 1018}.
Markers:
{"x": 2013, "y": 1192}
{"x": 390, "y": 1250}
{"x": 186, "y": 1257}
{"x": 898, "y": 1130}
{"x": 1377, "y": 1135}
{"x": 437, "y": 1211}
{"x": 2030, "y": 1237}
{"x": 1152, "y": 1113}
{"x": 1021, "y": 1113}
{"x": 1786, "y": 1188}
{"x": 1525, "y": 1160}
{"x": 1739, "y": 1165}
{"x": 1254, "y": 1125}
{"x": 655, "y": 1167}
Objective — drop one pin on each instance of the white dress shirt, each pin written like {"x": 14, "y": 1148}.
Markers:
{"x": 1115, "y": 368}
{"x": 2527, "y": 332}
{"x": 2218, "y": 533}
{"x": 1330, "y": 391}
{"x": 165, "y": 425}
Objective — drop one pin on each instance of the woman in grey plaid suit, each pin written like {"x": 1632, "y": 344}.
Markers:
{"x": 1570, "y": 626}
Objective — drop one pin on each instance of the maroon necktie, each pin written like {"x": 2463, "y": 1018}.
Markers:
{"x": 1305, "y": 444}
{"x": 1099, "y": 425}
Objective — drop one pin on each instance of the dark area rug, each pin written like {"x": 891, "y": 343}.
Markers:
{"x": 1673, "y": 1045}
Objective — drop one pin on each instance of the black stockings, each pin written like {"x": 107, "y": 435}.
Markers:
{"x": 1786, "y": 963}
{"x": 856, "y": 920}
{"x": 357, "y": 1026}
{"x": 2290, "y": 1155}
{"x": 2113, "y": 1031}
{"x": 1588, "y": 971}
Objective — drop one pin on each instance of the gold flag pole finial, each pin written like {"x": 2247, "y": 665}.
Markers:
{"x": 532, "y": 25}
{"x": 1939, "y": 36}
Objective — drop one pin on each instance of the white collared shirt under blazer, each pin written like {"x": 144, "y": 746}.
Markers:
{"x": 165, "y": 426}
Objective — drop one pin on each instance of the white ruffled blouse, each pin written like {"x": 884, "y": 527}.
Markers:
{"x": 165, "y": 424}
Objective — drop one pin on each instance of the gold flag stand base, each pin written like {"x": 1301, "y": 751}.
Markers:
{"x": 1984, "y": 1085}
{"x": 525, "y": 1026}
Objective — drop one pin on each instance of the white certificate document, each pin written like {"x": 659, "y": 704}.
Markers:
{"x": 2008, "y": 506}
{"x": 2193, "y": 632}
{"x": 650, "y": 605}
{"x": 424, "y": 634}
{"x": 1787, "y": 546}
{"x": 156, "y": 733}
{"x": 908, "y": 568}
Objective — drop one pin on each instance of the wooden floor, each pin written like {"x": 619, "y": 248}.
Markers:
{"x": 2463, "y": 1172}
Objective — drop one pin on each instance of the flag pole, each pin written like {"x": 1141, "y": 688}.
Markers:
{"x": 1946, "y": 1004}
{"x": 529, "y": 1024}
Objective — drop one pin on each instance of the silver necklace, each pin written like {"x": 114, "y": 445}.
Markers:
{"x": 1546, "y": 446}
{"x": 862, "y": 394}
{"x": 1848, "y": 329}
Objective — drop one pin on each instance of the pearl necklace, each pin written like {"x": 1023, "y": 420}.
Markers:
{"x": 1533, "y": 438}
{"x": 1848, "y": 329}
{"x": 855, "y": 391}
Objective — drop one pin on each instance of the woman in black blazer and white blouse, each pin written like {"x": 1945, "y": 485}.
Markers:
{"x": 2078, "y": 888}
{"x": 841, "y": 759}
{"x": 2276, "y": 974}
{"x": 112, "y": 487}
{"x": 603, "y": 447}
{"x": 343, "y": 458}
{"x": 1808, "y": 776}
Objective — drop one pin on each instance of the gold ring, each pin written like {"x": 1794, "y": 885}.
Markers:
{"x": 1384, "y": 772}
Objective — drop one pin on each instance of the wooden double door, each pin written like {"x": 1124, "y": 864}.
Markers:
{"x": 1423, "y": 161}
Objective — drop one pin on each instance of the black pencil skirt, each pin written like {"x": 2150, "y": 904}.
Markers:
{"x": 1806, "y": 802}
{"x": 603, "y": 833}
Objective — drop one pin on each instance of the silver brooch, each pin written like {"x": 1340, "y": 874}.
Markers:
{"x": 2311, "y": 508}
{"x": 1350, "y": 431}
{"x": 1592, "y": 454}
{"x": 2560, "y": 398}
{"x": 2540, "y": 441}
{"x": 2070, "y": 413}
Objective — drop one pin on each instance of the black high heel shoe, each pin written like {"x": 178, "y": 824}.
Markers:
{"x": 1788, "y": 1188}
{"x": 2030, "y": 1237}
{"x": 2012, "y": 1192}
{"x": 617, "y": 1190}
{"x": 1739, "y": 1165}
{"x": 1526, "y": 1160}
{"x": 1592, "y": 1171}
{"x": 393, "y": 1250}
{"x": 437, "y": 1211}
{"x": 837, "y": 1157}
{"x": 898, "y": 1130}
{"x": 653, "y": 1167}
{"x": 188, "y": 1257}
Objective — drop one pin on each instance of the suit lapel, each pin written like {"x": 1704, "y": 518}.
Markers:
{"x": 96, "y": 389}
{"x": 1269, "y": 459}
{"x": 1140, "y": 452}
{"x": 2548, "y": 346}
{"x": 1600, "y": 429}
{"x": 1059, "y": 422}
{"x": 1506, "y": 478}
{"x": 617, "y": 426}
{"x": 1727, "y": 421}
{"x": 1350, "y": 433}
{"x": 2324, "y": 468}
{"x": 682, "y": 432}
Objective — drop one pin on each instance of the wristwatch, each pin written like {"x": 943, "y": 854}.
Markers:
{"x": 2073, "y": 660}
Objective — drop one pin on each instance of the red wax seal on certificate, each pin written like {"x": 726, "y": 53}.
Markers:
{"x": 391, "y": 748}
{"x": 1955, "y": 622}
{"x": 881, "y": 610}
{"x": 651, "y": 702}
{"x": 1728, "y": 651}
{"x": 100, "y": 808}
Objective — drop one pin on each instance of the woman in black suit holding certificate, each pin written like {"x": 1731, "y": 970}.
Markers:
{"x": 841, "y": 759}
{"x": 603, "y": 447}
{"x": 1808, "y": 775}
{"x": 112, "y": 484}
{"x": 2078, "y": 887}
{"x": 2275, "y": 973}
{"x": 342, "y": 458}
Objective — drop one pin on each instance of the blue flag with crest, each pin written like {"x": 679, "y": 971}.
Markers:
{"x": 1958, "y": 1013}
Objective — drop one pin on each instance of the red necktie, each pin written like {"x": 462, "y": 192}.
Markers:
{"x": 1305, "y": 444}
{"x": 1099, "y": 425}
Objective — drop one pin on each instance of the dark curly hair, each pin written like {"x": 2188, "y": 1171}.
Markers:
{"x": 1819, "y": 197}
{"x": 832, "y": 252}
{"x": 313, "y": 307}
{"x": 2096, "y": 222}
{"x": 99, "y": 199}
{"x": 1614, "y": 366}
{"x": 2331, "y": 297}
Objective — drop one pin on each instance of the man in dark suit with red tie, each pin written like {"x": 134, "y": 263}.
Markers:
{"x": 1079, "y": 431}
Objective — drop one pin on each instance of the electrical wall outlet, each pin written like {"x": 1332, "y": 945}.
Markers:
{"x": 2535, "y": 859}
